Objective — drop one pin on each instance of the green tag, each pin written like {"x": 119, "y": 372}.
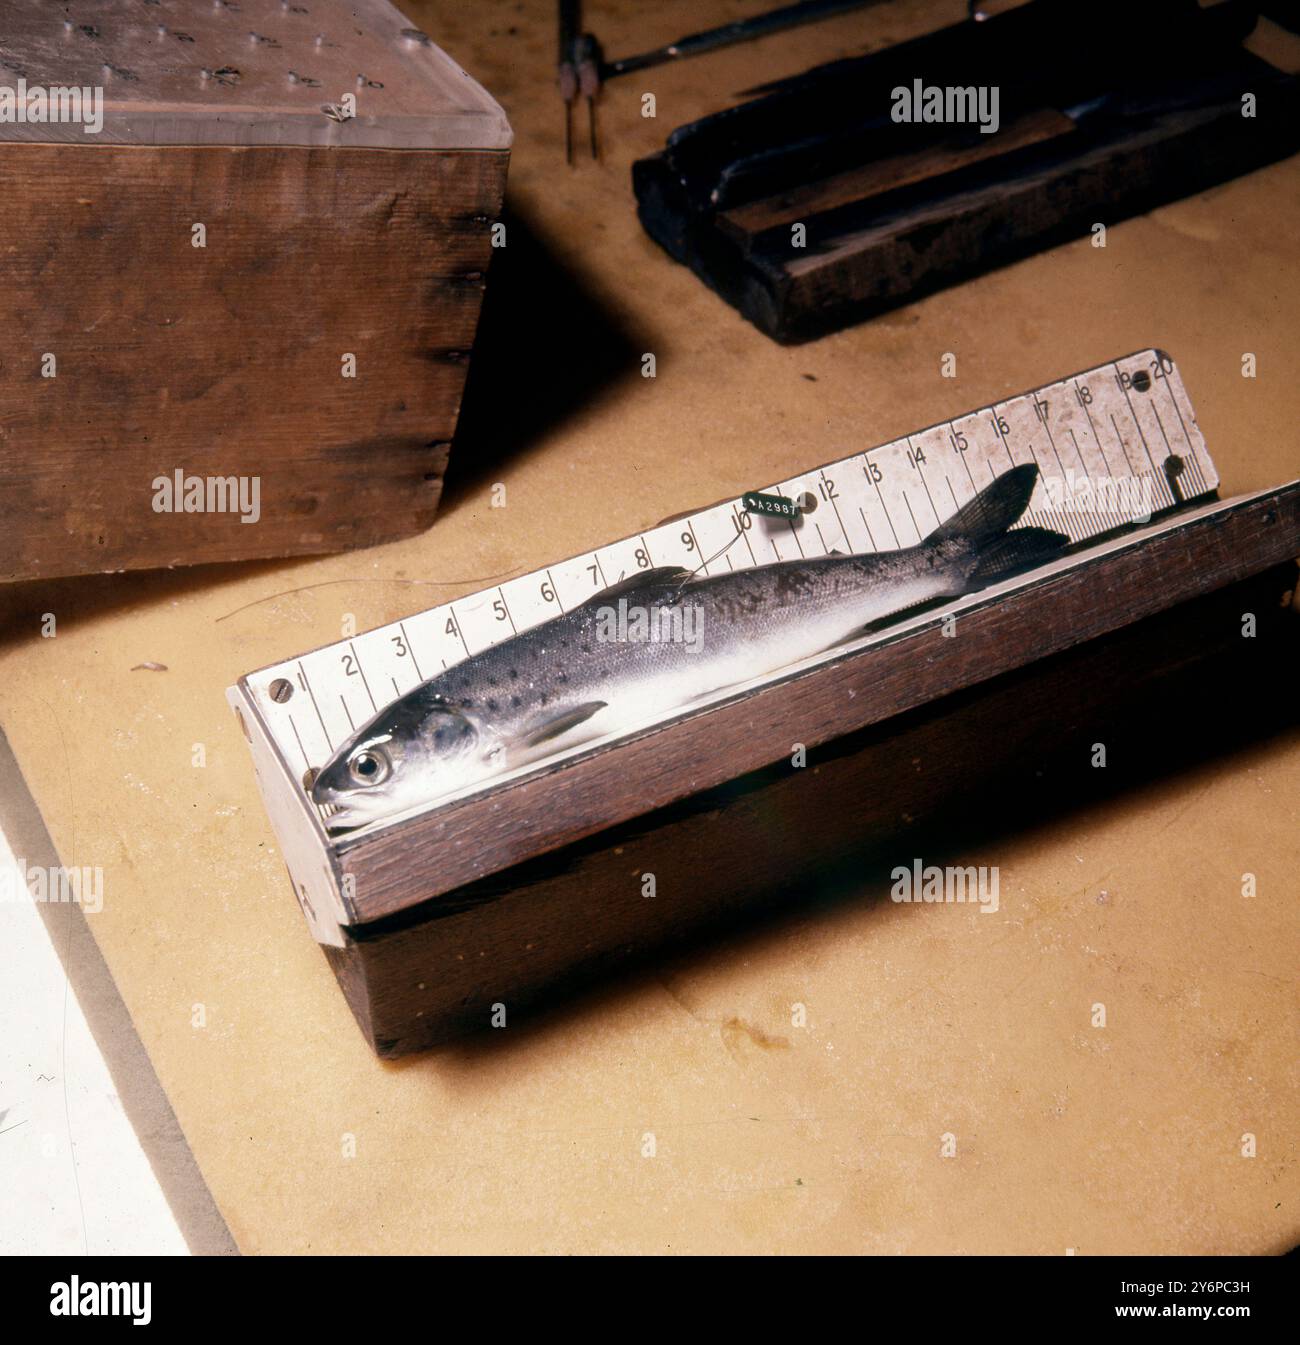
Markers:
{"x": 778, "y": 506}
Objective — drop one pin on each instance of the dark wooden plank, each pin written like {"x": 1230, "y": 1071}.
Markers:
{"x": 1102, "y": 591}
{"x": 813, "y": 200}
{"x": 913, "y": 249}
{"x": 839, "y": 116}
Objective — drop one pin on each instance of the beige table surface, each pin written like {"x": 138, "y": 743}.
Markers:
{"x": 922, "y": 1021}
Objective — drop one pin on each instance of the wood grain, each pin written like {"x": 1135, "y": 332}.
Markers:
{"x": 226, "y": 360}
{"x": 750, "y": 222}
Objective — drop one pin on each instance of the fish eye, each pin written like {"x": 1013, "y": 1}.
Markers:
{"x": 370, "y": 766}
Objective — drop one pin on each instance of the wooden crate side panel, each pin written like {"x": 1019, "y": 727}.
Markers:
{"x": 228, "y": 359}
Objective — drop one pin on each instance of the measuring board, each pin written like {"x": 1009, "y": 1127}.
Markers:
{"x": 1114, "y": 445}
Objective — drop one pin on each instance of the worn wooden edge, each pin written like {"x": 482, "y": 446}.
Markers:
{"x": 818, "y": 203}
{"x": 214, "y": 146}
{"x": 138, "y": 128}
{"x": 424, "y": 100}
{"x": 1075, "y": 599}
{"x": 205, "y": 544}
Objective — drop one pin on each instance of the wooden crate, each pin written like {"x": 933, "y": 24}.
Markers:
{"x": 186, "y": 284}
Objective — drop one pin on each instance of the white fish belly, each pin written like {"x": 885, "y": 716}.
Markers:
{"x": 641, "y": 700}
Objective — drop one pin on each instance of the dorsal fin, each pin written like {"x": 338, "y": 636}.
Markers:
{"x": 666, "y": 576}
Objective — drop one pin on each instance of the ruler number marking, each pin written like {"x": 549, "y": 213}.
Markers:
{"x": 306, "y": 683}
{"x": 831, "y": 495}
{"x": 502, "y": 610}
{"x": 306, "y": 761}
{"x": 554, "y": 595}
{"x": 959, "y": 446}
{"x": 1125, "y": 380}
{"x": 410, "y": 649}
{"x": 916, "y": 456}
{"x": 359, "y": 671}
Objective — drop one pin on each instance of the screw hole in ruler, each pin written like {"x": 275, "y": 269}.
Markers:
{"x": 280, "y": 690}
{"x": 1173, "y": 470}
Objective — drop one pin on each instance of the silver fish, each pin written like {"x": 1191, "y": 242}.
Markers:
{"x": 629, "y": 655}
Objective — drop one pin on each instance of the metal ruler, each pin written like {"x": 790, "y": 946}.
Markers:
{"x": 1113, "y": 445}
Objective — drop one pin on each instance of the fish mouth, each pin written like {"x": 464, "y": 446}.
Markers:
{"x": 348, "y": 815}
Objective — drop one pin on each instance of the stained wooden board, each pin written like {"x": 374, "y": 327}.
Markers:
{"x": 227, "y": 360}
{"x": 802, "y": 203}
{"x": 922, "y": 1020}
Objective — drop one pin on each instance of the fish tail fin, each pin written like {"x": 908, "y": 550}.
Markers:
{"x": 1014, "y": 552}
{"x": 978, "y": 535}
{"x": 993, "y": 510}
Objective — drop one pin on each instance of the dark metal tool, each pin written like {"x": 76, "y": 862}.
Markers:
{"x": 583, "y": 69}
{"x": 727, "y": 34}
{"x": 568, "y": 71}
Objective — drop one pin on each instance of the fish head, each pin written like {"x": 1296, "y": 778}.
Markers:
{"x": 413, "y": 752}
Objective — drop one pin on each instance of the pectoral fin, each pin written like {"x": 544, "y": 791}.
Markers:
{"x": 552, "y": 723}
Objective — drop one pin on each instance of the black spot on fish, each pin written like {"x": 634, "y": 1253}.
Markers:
{"x": 467, "y": 704}
{"x": 586, "y": 649}
{"x": 492, "y": 703}
{"x": 492, "y": 681}
{"x": 514, "y": 673}
{"x": 515, "y": 702}
{"x": 563, "y": 677}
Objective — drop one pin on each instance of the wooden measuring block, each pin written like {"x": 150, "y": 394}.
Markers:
{"x": 245, "y": 249}
{"x": 506, "y": 891}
